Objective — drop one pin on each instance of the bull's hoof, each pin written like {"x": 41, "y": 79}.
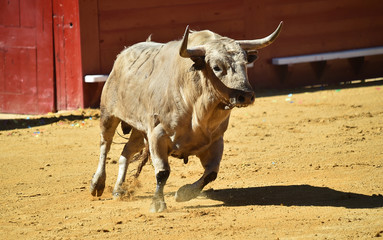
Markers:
{"x": 118, "y": 194}
{"x": 187, "y": 192}
{"x": 158, "y": 206}
{"x": 97, "y": 185}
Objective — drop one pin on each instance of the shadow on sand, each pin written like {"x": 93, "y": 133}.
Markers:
{"x": 320, "y": 87}
{"x": 294, "y": 195}
{"x": 11, "y": 124}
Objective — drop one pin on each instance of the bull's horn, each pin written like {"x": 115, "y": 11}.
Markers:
{"x": 198, "y": 51}
{"x": 260, "y": 43}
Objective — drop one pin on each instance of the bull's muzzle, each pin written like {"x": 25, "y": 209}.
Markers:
{"x": 242, "y": 99}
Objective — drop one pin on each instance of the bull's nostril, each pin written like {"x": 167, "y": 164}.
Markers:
{"x": 241, "y": 99}
{"x": 252, "y": 98}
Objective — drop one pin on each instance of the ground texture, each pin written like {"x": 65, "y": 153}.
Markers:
{"x": 305, "y": 165}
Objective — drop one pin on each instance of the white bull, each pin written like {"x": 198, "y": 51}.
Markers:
{"x": 175, "y": 98}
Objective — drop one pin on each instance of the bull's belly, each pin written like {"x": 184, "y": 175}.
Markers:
{"x": 183, "y": 155}
{"x": 183, "y": 149}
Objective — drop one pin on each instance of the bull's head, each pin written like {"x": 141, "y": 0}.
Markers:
{"x": 224, "y": 62}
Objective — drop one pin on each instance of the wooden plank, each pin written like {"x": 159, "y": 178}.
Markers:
{"x": 9, "y": 15}
{"x": 117, "y": 5}
{"x": 45, "y": 57}
{"x": 113, "y": 39}
{"x": 128, "y": 24}
{"x": 114, "y": 42}
{"x": 90, "y": 37}
{"x": 2, "y": 71}
{"x": 20, "y": 71}
{"x": 69, "y": 84}
{"x": 90, "y": 47}
{"x": 95, "y": 78}
{"x": 168, "y": 16}
{"x": 353, "y": 53}
{"x": 27, "y": 17}
{"x": 17, "y": 37}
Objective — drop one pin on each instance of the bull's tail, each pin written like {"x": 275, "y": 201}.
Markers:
{"x": 143, "y": 157}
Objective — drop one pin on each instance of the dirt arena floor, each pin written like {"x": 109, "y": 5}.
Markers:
{"x": 305, "y": 165}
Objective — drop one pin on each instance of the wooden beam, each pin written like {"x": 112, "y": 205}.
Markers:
{"x": 95, "y": 78}
{"x": 353, "y": 53}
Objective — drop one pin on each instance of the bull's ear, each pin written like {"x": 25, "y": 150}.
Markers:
{"x": 199, "y": 63}
{"x": 252, "y": 55}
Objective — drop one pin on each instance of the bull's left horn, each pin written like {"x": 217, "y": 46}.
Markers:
{"x": 198, "y": 51}
{"x": 260, "y": 43}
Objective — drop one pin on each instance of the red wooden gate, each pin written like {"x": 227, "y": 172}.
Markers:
{"x": 26, "y": 56}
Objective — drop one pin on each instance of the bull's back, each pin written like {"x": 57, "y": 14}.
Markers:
{"x": 138, "y": 82}
{"x": 139, "y": 67}
{"x": 134, "y": 62}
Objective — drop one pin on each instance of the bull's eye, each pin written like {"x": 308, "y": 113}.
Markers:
{"x": 217, "y": 69}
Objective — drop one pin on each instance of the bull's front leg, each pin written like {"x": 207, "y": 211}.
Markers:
{"x": 108, "y": 126}
{"x": 158, "y": 147}
{"x": 210, "y": 160}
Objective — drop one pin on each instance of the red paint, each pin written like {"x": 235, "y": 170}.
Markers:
{"x": 69, "y": 79}
{"x": 26, "y": 57}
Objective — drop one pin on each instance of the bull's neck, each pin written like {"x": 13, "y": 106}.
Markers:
{"x": 206, "y": 109}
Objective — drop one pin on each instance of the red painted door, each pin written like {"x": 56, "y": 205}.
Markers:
{"x": 26, "y": 57}
{"x": 69, "y": 79}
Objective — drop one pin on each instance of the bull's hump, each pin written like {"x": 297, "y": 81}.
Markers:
{"x": 136, "y": 50}
{"x": 202, "y": 37}
{"x": 146, "y": 45}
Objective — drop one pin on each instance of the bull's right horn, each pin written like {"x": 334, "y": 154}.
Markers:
{"x": 260, "y": 43}
{"x": 198, "y": 51}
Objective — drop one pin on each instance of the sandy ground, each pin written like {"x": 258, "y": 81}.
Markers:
{"x": 303, "y": 166}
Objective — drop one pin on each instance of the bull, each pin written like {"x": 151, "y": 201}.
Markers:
{"x": 175, "y": 100}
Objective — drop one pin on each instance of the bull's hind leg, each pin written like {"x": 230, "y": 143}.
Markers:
{"x": 210, "y": 160}
{"x": 108, "y": 127}
{"x": 134, "y": 145}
